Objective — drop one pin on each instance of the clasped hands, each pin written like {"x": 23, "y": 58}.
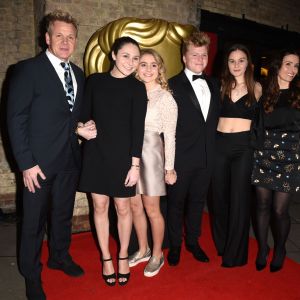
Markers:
{"x": 87, "y": 130}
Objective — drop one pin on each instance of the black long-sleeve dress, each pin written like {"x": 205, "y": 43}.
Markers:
{"x": 118, "y": 107}
{"x": 277, "y": 163}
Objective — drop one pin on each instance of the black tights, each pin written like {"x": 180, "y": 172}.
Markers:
{"x": 275, "y": 205}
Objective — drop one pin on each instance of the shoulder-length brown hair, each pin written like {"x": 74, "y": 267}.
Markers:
{"x": 271, "y": 88}
{"x": 229, "y": 82}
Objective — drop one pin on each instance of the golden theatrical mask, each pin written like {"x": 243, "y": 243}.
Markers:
{"x": 163, "y": 36}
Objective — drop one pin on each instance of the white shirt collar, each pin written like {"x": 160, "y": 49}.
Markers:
{"x": 54, "y": 59}
{"x": 189, "y": 74}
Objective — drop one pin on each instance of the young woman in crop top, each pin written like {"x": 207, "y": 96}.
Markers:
{"x": 231, "y": 180}
{"x": 276, "y": 172}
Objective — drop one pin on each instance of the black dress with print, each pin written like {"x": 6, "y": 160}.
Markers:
{"x": 277, "y": 163}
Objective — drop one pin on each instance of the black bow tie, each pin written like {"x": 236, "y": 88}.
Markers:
{"x": 198, "y": 76}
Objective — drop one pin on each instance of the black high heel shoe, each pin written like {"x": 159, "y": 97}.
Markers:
{"x": 261, "y": 259}
{"x": 122, "y": 275}
{"x": 277, "y": 263}
{"x": 110, "y": 276}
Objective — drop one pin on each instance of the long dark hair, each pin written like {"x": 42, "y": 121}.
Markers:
{"x": 228, "y": 80}
{"x": 272, "y": 90}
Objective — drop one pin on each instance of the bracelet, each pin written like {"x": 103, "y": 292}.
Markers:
{"x": 170, "y": 172}
{"x": 137, "y": 166}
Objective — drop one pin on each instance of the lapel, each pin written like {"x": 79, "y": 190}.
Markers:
{"x": 212, "y": 97}
{"x": 53, "y": 77}
{"x": 190, "y": 93}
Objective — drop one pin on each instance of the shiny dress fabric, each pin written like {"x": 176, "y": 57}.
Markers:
{"x": 151, "y": 181}
{"x": 158, "y": 154}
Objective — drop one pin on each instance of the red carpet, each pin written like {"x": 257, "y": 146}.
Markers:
{"x": 189, "y": 280}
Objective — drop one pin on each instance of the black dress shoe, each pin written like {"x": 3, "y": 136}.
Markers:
{"x": 34, "y": 289}
{"x": 197, "y": 252}
{"x": 277, "y": 262}
{"x": 260, "y": 266}
{"x": 274, "y": 268}
{"x": 225, "y": 265}
{"x": 174, "y": 256}
{"x": 231, "y": 265}
{"x": 261, "y": 259}
{"x": 68, "y": 266}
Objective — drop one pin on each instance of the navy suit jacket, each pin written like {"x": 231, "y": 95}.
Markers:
{"x": 195, "y": 137}
{"x": 41, "y": 126}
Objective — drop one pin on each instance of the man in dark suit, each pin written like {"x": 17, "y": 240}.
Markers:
{"x": 44, "y": 102}
{"x": 197, "y": 97}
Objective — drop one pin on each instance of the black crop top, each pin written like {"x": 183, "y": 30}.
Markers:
{"x": 237, "y": 109}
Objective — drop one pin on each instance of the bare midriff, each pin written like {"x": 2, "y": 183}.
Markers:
{"x": 231, "y": 125}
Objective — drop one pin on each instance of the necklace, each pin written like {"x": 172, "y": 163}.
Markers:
{"x": 239, "y": 88}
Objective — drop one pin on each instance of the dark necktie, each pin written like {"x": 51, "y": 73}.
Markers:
{"x": 68, "y": 85}
{"x": 198, "y": 76}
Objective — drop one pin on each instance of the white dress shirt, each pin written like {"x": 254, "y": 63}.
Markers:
{"x": 55, "y": 61}
{"x": 201, "y": 90}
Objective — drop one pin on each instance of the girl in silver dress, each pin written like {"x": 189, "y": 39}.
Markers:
{"x": 157, "y": 161}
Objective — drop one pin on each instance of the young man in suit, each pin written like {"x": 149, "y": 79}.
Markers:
{"x": 197, "y": 97}
{"x": 44, "y": 102}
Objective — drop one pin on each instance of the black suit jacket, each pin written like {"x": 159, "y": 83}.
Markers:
{"x": 195, "y": 137}
{"x": 41, "y": 126}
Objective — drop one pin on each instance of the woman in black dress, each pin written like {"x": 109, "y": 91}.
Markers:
{"x": 231, "y": 181}
{"x": 276, "y": 172}
{"x": 117, "y": 102}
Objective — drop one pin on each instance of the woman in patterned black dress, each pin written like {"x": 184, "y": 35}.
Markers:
{"x": 276, "y": 172}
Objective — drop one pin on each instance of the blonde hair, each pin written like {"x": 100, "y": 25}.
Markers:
{"x": 196, "y": 38}
{"x": 161, "y": 79}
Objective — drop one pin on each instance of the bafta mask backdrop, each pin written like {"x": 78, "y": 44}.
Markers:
{"x": 163, "y": 36}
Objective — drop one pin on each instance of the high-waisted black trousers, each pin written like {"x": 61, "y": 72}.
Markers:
{"x": 231, "y": 187}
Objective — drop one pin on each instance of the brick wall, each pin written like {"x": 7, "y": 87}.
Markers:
{"x": 93, "y": 14}
{"x": 21, "y": 34}
{"x": 276, "y": 13}
{"x": 17, "y": 40}
{"x": 19, "y": 26}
